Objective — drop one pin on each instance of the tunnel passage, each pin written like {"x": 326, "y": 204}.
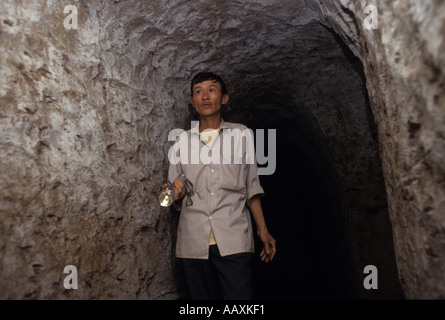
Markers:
{"x": 303, "y": 205}
{"x": 87, "y": 114}
{"x": 317, "y": 220}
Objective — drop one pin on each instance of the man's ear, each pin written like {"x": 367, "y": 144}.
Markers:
{"x": 225, "y": 99}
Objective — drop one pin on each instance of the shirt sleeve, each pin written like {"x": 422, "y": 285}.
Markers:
{"x": 253, "y": 184}
{"x": 175, "y": 169}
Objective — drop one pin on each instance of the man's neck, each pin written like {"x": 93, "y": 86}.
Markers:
{"x": 209, "y": 123}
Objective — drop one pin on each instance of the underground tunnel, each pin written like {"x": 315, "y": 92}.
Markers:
{"x": 358, "y": 111}
{"x": 310, "y": 207}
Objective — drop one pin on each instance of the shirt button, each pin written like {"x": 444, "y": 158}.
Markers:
{"x": 211, "y": 193}
{"x": 210, "y": 218}
{"x": 212, "y": 170}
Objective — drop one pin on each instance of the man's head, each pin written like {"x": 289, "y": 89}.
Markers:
{"x": 209, "y": 94}
{"x": 204, "y": 76}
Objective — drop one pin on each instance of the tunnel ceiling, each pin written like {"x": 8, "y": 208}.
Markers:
{"x": 253, "y": 43}
{"x": 258, "y": 46}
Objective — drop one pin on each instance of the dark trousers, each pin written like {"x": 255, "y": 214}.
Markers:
{"x": 228, "y": 278}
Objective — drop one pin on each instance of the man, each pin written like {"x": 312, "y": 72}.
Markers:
{"x": 215, "y": 239}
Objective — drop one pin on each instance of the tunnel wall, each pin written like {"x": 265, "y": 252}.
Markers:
{"x": 404, "y": 61}
{"x": 82, "y": 158}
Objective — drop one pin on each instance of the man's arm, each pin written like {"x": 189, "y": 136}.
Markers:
{"x": 174, "y": 171}
{"x": 269, "y": 243}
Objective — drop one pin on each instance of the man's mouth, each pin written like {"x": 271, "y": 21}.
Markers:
{"x": 206, "y": 105}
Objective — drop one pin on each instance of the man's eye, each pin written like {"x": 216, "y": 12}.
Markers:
{"x": 198, "y": 91}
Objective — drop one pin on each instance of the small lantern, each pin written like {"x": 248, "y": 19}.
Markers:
{"x": 167, "y": 196}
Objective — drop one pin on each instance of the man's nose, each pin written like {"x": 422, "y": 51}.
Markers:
{"x": 205, "y": 95}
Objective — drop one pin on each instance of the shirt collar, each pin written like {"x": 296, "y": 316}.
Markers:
{"x": 223, "y": 124}
{"x": 195, "y": 128}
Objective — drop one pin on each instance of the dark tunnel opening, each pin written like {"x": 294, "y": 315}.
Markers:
{"x": 303, "y": 206}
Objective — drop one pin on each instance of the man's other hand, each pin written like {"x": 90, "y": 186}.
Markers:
{"x": 269, "y": 246}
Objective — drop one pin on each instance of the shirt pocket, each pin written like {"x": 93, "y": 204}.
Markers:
{"x": 233, "y": 178}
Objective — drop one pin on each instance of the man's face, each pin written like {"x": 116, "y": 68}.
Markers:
{"x": 208, "y": 98}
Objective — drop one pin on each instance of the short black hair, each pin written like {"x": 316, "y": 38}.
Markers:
{"x": 204, "y": 76}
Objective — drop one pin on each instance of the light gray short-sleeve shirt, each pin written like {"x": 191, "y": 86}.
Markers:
{"x": 224, "y": 178}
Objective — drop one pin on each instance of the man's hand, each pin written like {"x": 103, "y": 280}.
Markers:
{"x": 269, "y": 245}
{"x": 178, "y": 189}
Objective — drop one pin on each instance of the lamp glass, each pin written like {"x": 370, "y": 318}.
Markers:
{"x": 166, "y": 197}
